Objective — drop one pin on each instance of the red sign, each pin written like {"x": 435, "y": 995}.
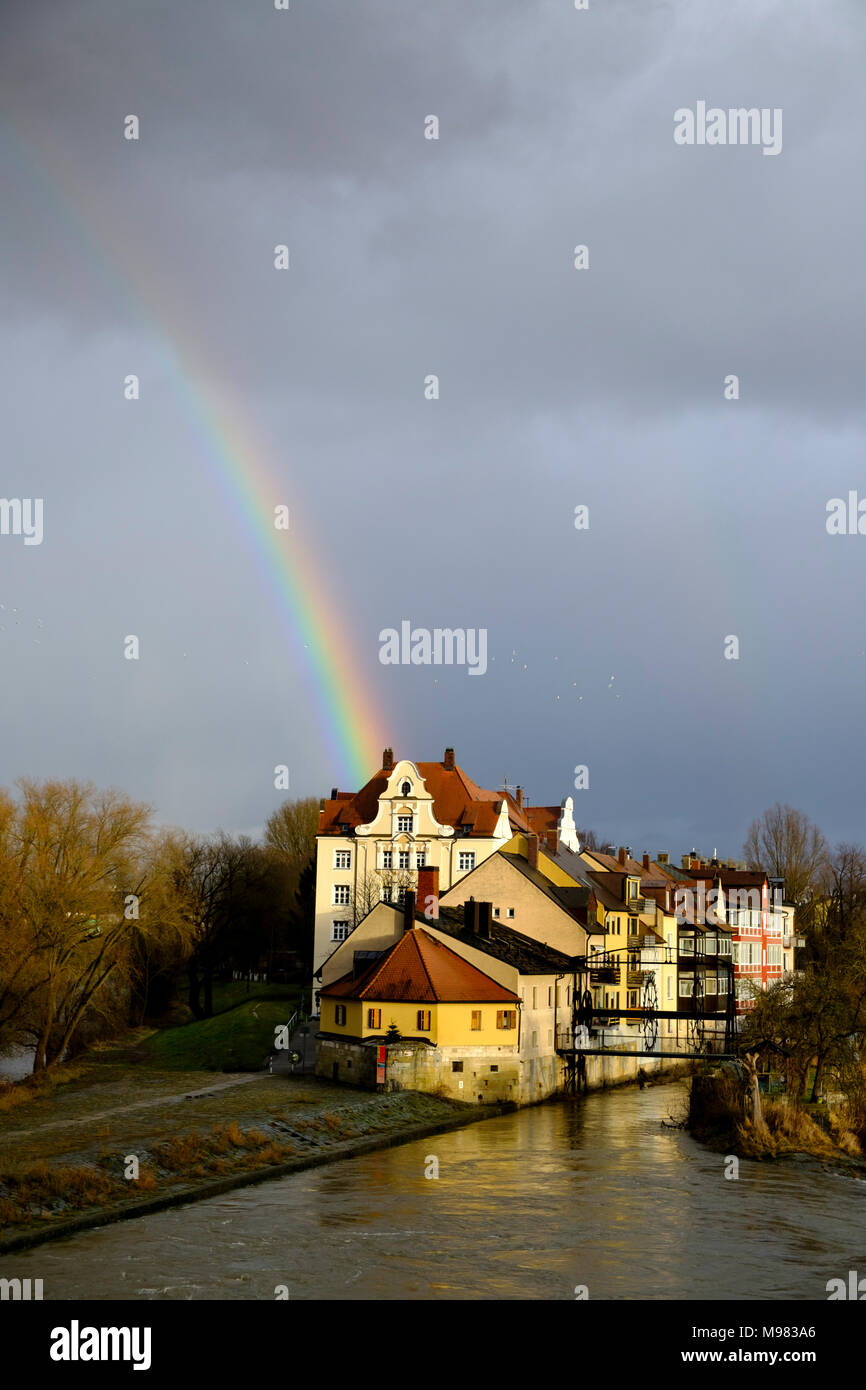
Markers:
{"x": 380, "y": 1064}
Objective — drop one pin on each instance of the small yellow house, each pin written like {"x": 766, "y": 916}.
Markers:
{"x": 445, "y": 1023}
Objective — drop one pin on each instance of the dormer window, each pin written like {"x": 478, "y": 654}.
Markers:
{"x": 406, "y": 789}
{"x": 632, "y": 888}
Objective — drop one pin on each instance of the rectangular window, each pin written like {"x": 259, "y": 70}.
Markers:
{"x": 496, "y": 912}
{"x": 686, "y": 986}
{"x": 387, "y": 859}
{"x": 494, "y": 1066}
{"x": 687, "y": 946}
{"x": 404, "y": 825}
{"x": 423, "y": 1020}
{"x": 534, "y": 997}
{"x": 725, "y": 945}
{"x": 476, "y": 1020}
{"x": 466, "y": 859}
{"x": 723, "y": 983}
{"x": 342, "y": 859}
{"x": 506, "y": 1018}
{"x": 549, "y": 995}
{"x": 535, "y": 1040}
{"x": 710, "y": 985}
{"x": 774, "y": 954}
{"x": 339, "y": 931}
{"x": 670, "y": 987}
{"x": 374, "y": 1018}
{"x": 340, "y": 1015}
{"x": 341, "y": 894}
{"x": 456, "y": 1066}
{"x": 511, "y": 912}
{"x": 420, "y": 859}
{"x": 403, "y": 859}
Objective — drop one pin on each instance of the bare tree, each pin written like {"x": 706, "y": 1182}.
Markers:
{"x": 382, "y": 885}
{"x": 292, "y": 830}
{"x": 785, "y": 844}
{"x": 76, "y": 860}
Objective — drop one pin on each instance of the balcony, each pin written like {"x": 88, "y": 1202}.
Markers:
{"x": 636, "y": 979}
{"x": 604, "y": 970}
{"x": 637, "y": 941}
{"x": 646, "y": 907}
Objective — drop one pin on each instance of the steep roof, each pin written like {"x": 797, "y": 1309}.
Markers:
{"x": 457, "y": 801}
{"x": 528, "y": 956}
{"x": 574, "y": 900}
{"x": 419, "y": 969}
{"x": 612, "y": 863}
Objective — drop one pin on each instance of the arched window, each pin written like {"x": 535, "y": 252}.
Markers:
{"x": 406, "y": 789}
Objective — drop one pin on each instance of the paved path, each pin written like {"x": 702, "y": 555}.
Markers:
{"x": 170, "y": 1098}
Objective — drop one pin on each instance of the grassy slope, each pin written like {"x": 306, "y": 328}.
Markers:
{"x": 236, "y": 1040}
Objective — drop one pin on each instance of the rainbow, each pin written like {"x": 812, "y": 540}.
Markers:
{"x": 347, "y": 715}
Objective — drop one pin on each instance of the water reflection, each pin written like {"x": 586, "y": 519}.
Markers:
{"x": 525, "y": 1206}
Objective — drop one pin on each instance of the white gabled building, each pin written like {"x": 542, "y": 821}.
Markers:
{"x": 409, "y": 815}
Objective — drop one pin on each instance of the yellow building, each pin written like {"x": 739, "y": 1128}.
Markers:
{"x": 477, "y": 1006}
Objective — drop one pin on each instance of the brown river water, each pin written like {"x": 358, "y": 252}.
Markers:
{"x": 595, "y": 1192}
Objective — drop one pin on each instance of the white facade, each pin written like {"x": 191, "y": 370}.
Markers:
{"x": 356, "y": 870}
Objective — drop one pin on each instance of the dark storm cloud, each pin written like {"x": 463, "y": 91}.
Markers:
{"x": 453, "y": 257}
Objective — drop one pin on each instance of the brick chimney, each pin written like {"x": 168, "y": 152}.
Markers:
{"x": 519, "y": 798}
{"x": 448, "y": 760}
{"x": 409, "y": 910}
{"x": 646, "y": 861}
{"x": 532, "y": 851}
{"x": 470, "y": 915}
{"x": 428, "y": 891}
{"x": 334, "y": 791}
{"x": 621, "y": 854}
{"x": 388, "y": 760}
{"x": 485, "y": 917}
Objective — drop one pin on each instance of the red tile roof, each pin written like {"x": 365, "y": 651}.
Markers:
{"x": 611, "y": 863}
{"x": 420, "y": 969}
{"x": 457, "y": 801}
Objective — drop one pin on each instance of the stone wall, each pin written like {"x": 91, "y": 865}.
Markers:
{"x": 486, "y": 1076}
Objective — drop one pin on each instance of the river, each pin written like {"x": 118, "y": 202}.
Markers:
{"x": 529, "y": 1205}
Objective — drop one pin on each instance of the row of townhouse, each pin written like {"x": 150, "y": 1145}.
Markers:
{"x": 475, "y": 929}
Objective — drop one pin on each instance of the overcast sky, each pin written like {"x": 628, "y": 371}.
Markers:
{"x": 558, "y": 387}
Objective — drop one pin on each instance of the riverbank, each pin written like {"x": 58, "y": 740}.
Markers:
{"x": 101, "y": 1143}
{"x": 718, "y": 1118}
